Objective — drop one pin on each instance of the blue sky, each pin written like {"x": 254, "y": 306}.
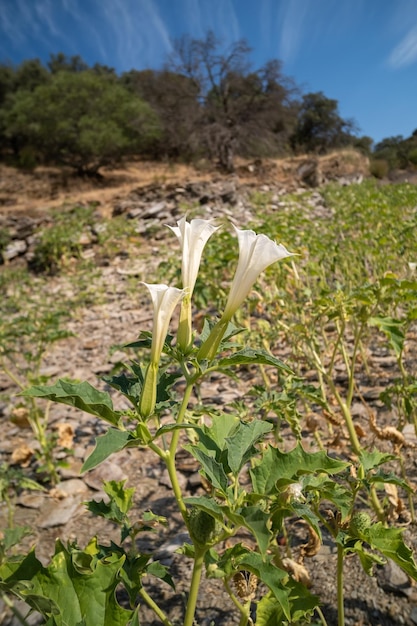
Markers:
{"x": 363, "y": 53}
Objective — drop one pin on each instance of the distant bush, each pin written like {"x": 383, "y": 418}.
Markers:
{"x": 412, "y": 156}
{"x": 79, "y": 119}
{"x": 379, "y": 168}
{"x": 61, "y": 241}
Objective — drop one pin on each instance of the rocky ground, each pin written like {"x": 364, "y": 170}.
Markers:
{"x": 386, "y": 599}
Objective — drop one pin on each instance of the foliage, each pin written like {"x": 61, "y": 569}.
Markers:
{"x": 398, "y": 152}
{"x": 350, "y": 291}
{"x": 319, "y": 125}
{"x": 379, "y": 168}
{"x": 81, "y": 119}
{"x": 60, "y": 241}
{"x": 241, "y": 111}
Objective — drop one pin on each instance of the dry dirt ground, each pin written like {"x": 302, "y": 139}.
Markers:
{"x": 386, "y": 599}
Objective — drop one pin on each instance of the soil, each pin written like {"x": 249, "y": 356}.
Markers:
{"x": 388, "y": 598}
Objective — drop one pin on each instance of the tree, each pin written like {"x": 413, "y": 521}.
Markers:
{"x": 239, "y": 110}
{"x": 319, "y": 125}
{"x": 174, "y": 98}
{"x": 60, "y": 62}
{"x": 394, "y": 151}
{"x": 81, "y": 119}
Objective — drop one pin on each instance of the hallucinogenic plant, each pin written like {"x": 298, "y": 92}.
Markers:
{"x": 254, "y": 487}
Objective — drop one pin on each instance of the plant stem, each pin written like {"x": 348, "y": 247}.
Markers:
{"x": 340, "y": 597}
{"x": 321, "y": 616}
{"x": 169, "y": 456}
{"x": 155, "y": 608}
{"x": 194, "y": 586}
{"x": 14, "y": 610}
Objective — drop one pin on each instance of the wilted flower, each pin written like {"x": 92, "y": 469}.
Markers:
{"x": 256, "y": 253}
{"x": 164, "y": 299}
{"x": 192, "y": 236}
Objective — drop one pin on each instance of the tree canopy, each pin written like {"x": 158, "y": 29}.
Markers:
{"x": 80, "y": 119}
{"x": 207, "y": 102}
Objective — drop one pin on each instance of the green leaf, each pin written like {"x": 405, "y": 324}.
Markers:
{"x": 393, "y": 329}
{"x": 368, "y": 559}
{"x": 112, "y": 441}
{"x": 390, "y": 543}
{"x": 73, "y": 595}
{"x": 80, "y": 395}
{"x": 302, "y": 606}
{"x": 249, "y": 356}
{"x": 206, "y": 504}
{"x": 240, "y": 446}
{"x": 276, "y": 579}
{"x": 12, "y": 536}
{"x": 121, "y": 495}
{"x": 212, "y": 469}
{"x": 276, "y": 465}
{"x": 160, "y": 571}
{"x": 129, "y": 386}
{"x": 258, "y": 523}
{"x": 213, "y": 438}
{"x": 372, "y": 459}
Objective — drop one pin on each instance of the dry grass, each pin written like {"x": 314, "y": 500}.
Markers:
{"x": 47, "y": 187}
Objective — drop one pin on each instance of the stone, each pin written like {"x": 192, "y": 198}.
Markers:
{"x": 59, "y": 512}
{"x": 14, "y": 249}
{"x": 104, "y": 472}
{"x": 392, "y": 578}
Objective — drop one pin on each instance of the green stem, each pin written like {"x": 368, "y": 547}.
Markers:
{"x": 321, "y": 616}
{"x": 169, "y": 456}
{"x": 340, "y": 596}
{"x": 376, "y": 503}
{"x": 244, "y": 609}
{"x": 155, "y": 608}
{"x": 14, "y": 610}
{"x": 194, "y": 586}
{"x": 209, "y": 347}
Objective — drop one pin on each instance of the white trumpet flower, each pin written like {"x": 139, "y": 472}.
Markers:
{"x": 192, "y": 236}
{"x": 256, "y": 253}
{"x": 164, "y": 300}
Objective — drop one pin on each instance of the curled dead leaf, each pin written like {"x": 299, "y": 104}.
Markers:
{"x": 65, "y": 435}
{"x": 297, "y": 571}
{"x": 312, "y": 547}
{"x": 20, "y": 416}
{"x": 22, "y": 455}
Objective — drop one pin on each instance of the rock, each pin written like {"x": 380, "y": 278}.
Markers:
{"x": 152, "y": 211}
{"x": 31, "y": 500}
{"x": 392, "y": 578}
{"x": 59, "y": 512}
{"x": 71, "y": 487}
{"x": 309, "y": 173}
{"x": 104, "y": 472}
{"x": 14, "y": 249}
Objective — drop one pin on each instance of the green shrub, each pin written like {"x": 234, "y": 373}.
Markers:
{"x": 412, "y": 156}
{"x": 379, "y": 168}
{"x": 61, "y": 241}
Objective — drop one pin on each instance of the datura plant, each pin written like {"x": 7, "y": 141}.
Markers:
{"x": 254, "y": 488}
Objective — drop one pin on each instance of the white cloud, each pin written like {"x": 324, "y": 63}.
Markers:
{"x": 292, "y": 17}
{"x": 405, "y": 53}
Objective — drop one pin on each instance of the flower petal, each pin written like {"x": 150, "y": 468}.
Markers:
{"x": 256, "y": 253}
{"x": 164, "y": 300}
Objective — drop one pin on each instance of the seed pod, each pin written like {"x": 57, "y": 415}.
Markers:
{"x": 359, "y": 523}
{"x": 202, "y": 526}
